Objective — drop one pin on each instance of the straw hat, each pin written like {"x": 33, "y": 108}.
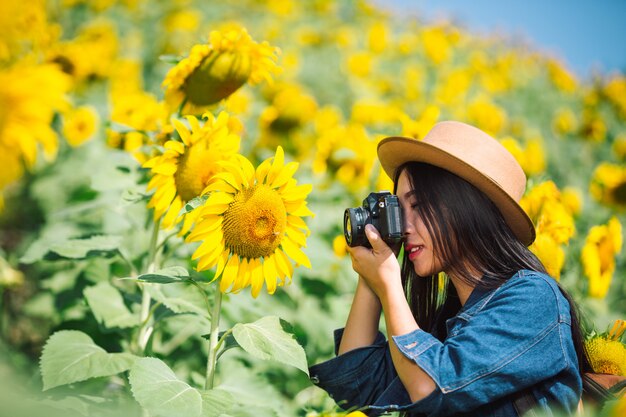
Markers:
{"x": 474, "y": 156}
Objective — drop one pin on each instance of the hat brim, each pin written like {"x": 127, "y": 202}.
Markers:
{"x": 395, "y": 151}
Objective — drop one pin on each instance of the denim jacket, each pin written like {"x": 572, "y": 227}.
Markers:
{"x": 503, "y": 341}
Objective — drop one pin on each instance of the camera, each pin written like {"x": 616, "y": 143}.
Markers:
{"x": 382, "y": 210}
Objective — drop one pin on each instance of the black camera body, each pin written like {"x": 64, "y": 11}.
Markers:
{"x": 383, "y": 211}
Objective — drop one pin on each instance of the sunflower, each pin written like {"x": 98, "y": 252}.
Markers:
{"x": 251, "y": 225}
{"x": 215, "y": 70}
{"x": 30, "y": 96}
{"x": 606, "y": 353}
{"x": 598, "y": 256}
{"x": 608, "y": 185}
{"x": 185, "y": 168}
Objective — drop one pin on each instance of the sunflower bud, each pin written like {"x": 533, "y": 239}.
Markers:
{"x": 219, "y": 75}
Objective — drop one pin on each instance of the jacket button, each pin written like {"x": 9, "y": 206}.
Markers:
{"x": 315, "y": 379}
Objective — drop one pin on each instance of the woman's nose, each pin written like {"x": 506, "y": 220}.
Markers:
{"x": 407, "y": 226}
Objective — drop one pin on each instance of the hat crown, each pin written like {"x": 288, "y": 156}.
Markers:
{"x": 479, "y": 150}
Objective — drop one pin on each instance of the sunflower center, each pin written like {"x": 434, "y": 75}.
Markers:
{"x": 608, "y": 367}
{"x": 195, "y": 168}
{"x": 255, "y": 222}
{"x": 619, "y": 193}
{"x": 219, "y": 75}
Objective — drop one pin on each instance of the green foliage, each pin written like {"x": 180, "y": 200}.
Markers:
{"x": 157, "y": 388}
{"x": 266, "y": 339}
{"x": 72, "y": 356}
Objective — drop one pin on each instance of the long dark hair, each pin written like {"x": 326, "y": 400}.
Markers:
{"x": 469, "y": 234}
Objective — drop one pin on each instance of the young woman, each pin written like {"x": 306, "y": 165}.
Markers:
{"x": 491, "y": 336}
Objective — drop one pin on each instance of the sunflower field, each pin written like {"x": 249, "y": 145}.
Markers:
{"x": 173, "y": 177}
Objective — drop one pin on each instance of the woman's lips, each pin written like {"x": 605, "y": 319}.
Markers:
{"x": 413, "y": 251}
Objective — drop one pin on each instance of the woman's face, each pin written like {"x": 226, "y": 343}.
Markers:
{"x": 418, "y": 242}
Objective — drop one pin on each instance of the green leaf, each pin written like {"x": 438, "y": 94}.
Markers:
{"x": 108, "y": 306}
{"x": 216, "y": 402}
{"x": 181, "y": 298}
{"x": 166, "y": 275}
{"x": 102, "y": 245}
{"x": 193, "y": 204}
{"x": 157, "y": 388}
{"x": 266, "y": 339}
{"x": 71, "y": 356}
{"x": 84, "y": 248}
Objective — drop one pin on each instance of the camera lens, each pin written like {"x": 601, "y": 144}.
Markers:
{"x": 354, "y": 221}
{"x": 347, "y": 227}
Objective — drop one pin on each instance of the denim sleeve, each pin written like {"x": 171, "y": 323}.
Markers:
{"x": 358, "y": 377}
{"x": 517, "y": 340}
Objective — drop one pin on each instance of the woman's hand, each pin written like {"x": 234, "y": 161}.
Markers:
{"x": 378, "y": 266}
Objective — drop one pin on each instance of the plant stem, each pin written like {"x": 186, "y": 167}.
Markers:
{"x": 215, "y": 329}
{"x": 146, "y": 328}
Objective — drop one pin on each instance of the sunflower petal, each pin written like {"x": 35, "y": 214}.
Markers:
{"x": 277, "y": 165}
{"x": 285, "y": 174}
{"x": 262, "y": 170}
{"x": 269, "y": 272}
{"x": 221, "y": 264}
{"x": 256, "y": 276}
{"x": 294, "y": 252}
{"x": 297, "y": 223}
{"x": 182, "y": 131}
{"x": 296, "y": 193}
{"x": 230, "y": 273}
{"x": 176, "y": 146}
{"x": 243, "y": 276}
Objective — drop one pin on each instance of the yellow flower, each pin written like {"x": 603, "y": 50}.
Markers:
{"x": 572, "y": 199}
{"x": 561, "y": 78}
{"x": 550, "y": 253}
{"x": 339, "y": 246}
{"x": 419, "y": 128}
{"x": 251, "y": 224}
{"x": 348, "y": 153}
{"x": 486, "y": 115}
{"x": 30, "y": 95}
{"x": 137, "y": 113}
{"x": 79, "y": 125}
{"x": 608, "y": 184}
{"x": 436, "y": 44}
{"x": 24, "y": 28}
{"x": 377, "y": 37}
{"x": 615, "y": 90}
{"x": 215, "y": 70}
{"x": 185, "y": 168}
{"x": 545, "y": 206}
{"x": 291, "y": 106}
{"x": 598, "y": 256}
{"x": 593, "y": 126}
{"x": 369, "y": 112}
{"x": 91, "y": 55}
{"x": 532, "y": 158}
{"x": 564, "y": 121}
{"x": 607, "y": 356}
{"x": 360, "y": 64}
{"x": 453, "y": 87}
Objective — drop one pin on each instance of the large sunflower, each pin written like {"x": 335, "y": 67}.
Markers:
{"x": 251, "y": 225}
{"x": 185, "y": 168}
{"x": 215, "y": 70}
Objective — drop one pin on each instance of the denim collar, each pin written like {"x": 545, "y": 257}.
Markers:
{"x": 479, "y": 298}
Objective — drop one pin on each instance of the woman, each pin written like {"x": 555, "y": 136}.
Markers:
{"x": 496, "y": 336}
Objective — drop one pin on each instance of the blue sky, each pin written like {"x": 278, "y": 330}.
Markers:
{"x": 584, "y": 34}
